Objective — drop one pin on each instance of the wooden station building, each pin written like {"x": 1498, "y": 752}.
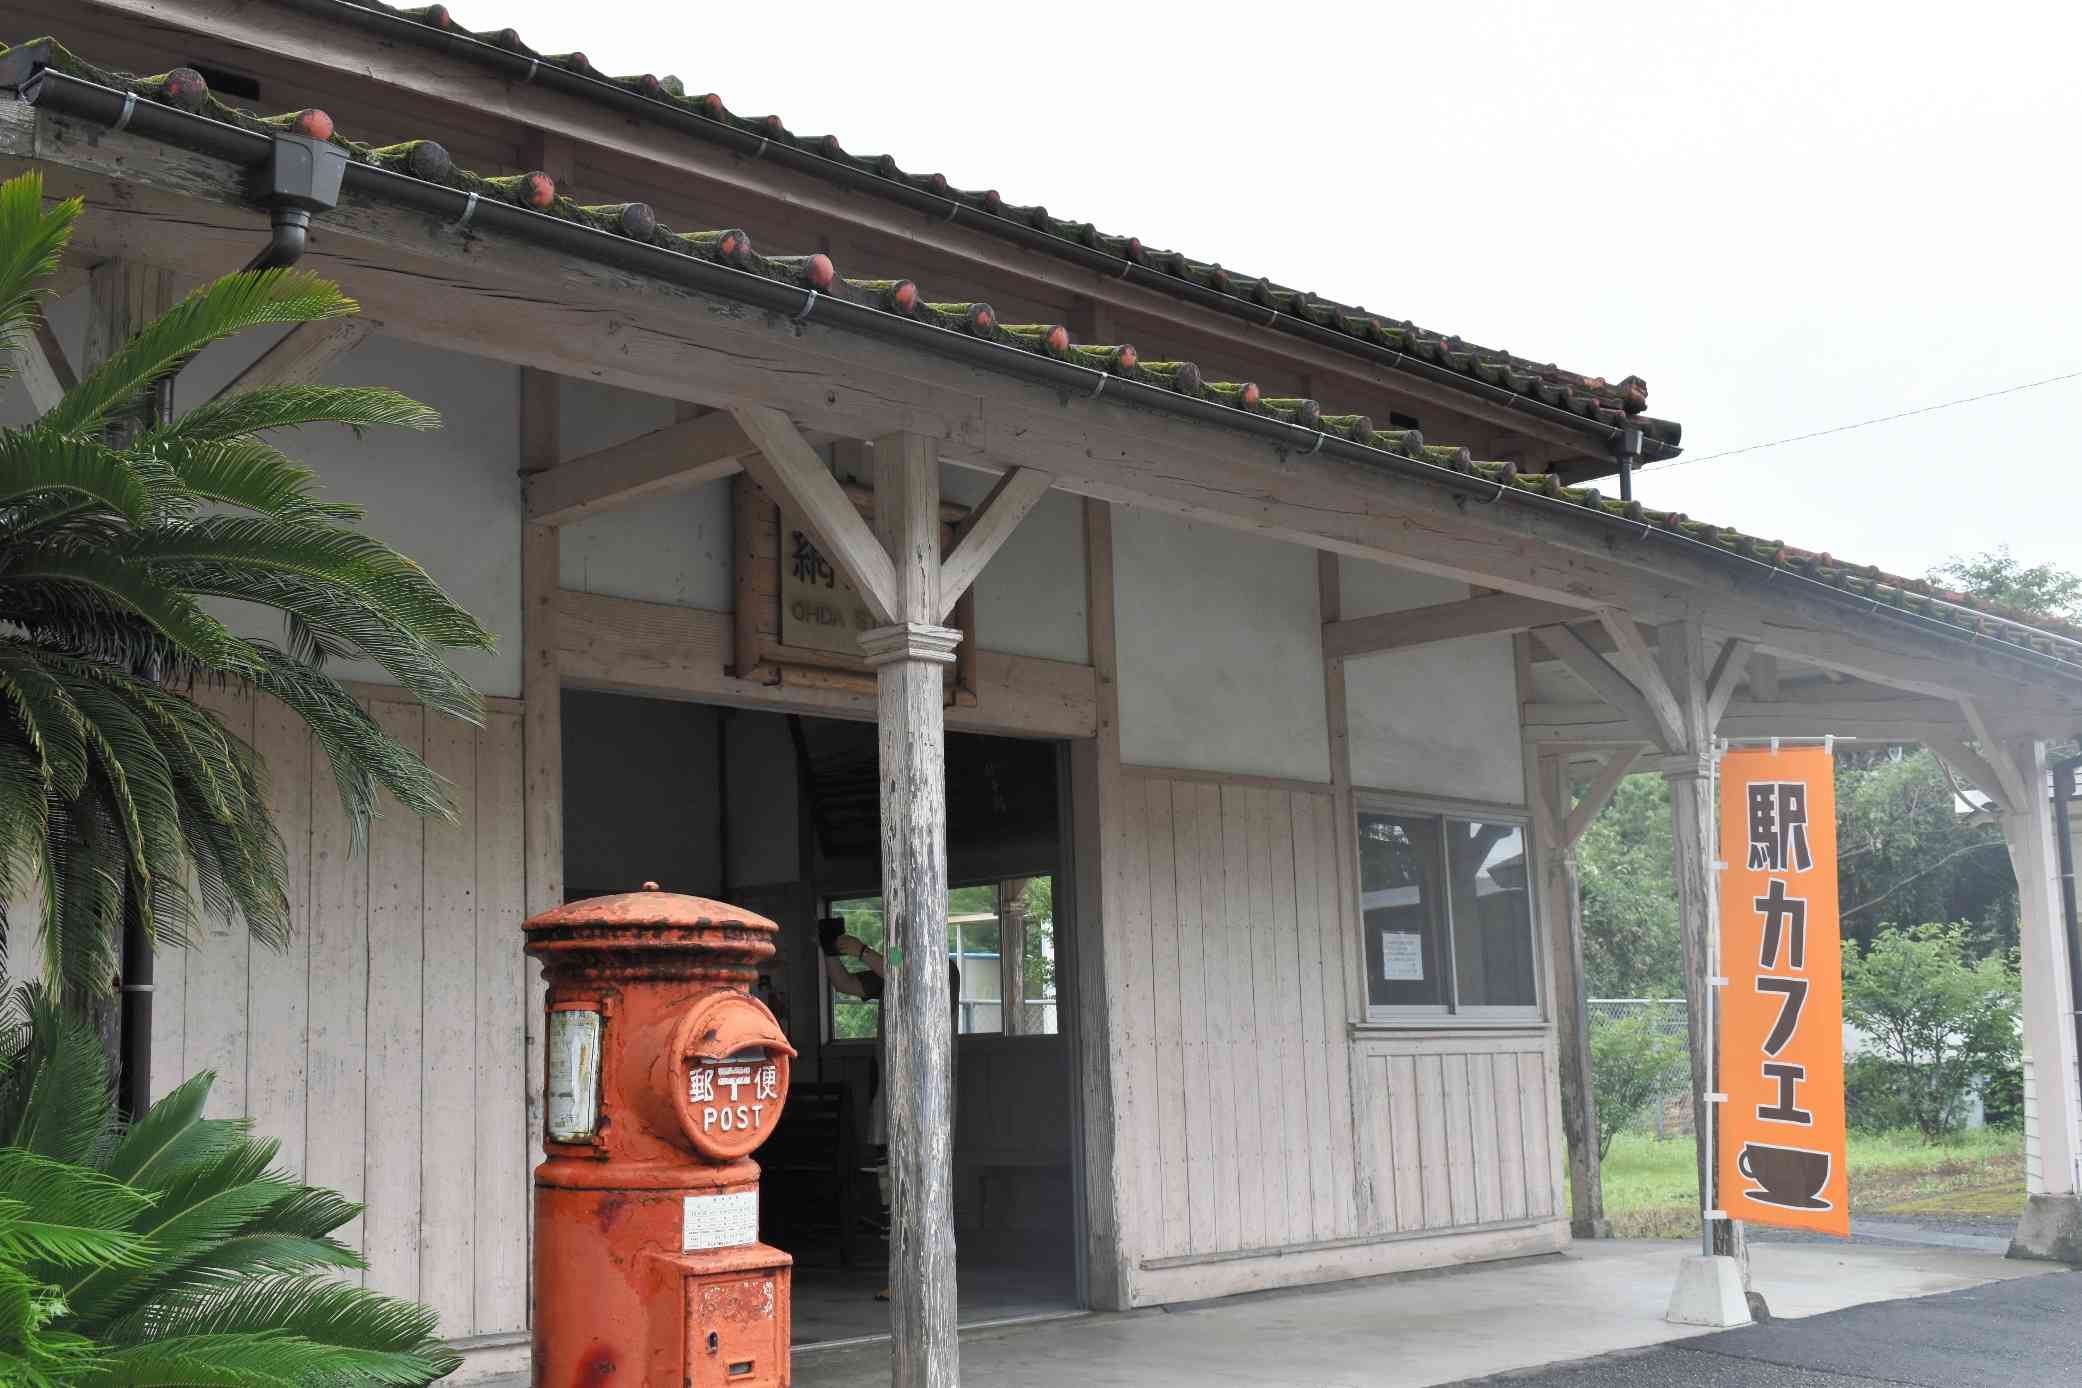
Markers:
{"x": 1228, "y": 701}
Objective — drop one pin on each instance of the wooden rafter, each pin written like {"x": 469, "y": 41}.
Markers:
{"x": 1488, "y": 615}
{"x": 40, "y": 365}
{"x": 1656, "y": 718}
{"x": 1016, "y": 493}
{"x": 1727, "y": 673}
{"x": 785, "y": 464}
{"x": 1763, "y": 676}
{"x": 1597, "y": 794}
{"x": 679, "y": 457}
{"x": 1970, "y": 766}
{"x": 2012, "y": 787}
{"x": 1643, "y": 666}
{"x": 302, "y": 356}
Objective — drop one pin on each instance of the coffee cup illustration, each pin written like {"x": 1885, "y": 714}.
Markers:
{"x": 1790, "y": 1177}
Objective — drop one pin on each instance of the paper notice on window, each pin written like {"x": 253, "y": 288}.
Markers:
{"x": 719, "y": 1221}
{"x": 1402, "y": 956}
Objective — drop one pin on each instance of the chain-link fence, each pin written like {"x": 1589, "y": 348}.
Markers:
{"x": 1670, "y": 1114}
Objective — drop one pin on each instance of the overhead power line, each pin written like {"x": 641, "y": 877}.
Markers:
{"x": 1863, "y": 423}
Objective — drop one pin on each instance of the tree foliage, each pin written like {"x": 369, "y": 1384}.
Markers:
{"x": 1633, "y": 1059}
{"x": 2046, "y": 590}
{"x": 1631, "y": 944}
{"x": 122, "y": 533}
{"x": 170, "y": 1252}
{"x": 1938, "y": 1019}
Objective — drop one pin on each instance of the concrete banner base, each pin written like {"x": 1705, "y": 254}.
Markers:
{"x": 2050, "y": 1230}
{"x": 1709, "y": 1293}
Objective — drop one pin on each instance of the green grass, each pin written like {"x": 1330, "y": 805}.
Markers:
{"x": 1652, "y": 1190}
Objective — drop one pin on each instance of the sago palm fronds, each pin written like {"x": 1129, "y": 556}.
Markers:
{"x": 171, "y": 1252}
{"x": 122, "y": 536}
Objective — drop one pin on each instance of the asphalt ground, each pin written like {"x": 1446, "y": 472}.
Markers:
{"x": 2002, "y": 1335}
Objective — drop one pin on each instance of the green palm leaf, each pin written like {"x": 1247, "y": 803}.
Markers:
{"x": 290, "y": 407}
{"x": 35, "y": 463}
{"x": 214, "y": 311}
{"x": 31, "y": 241}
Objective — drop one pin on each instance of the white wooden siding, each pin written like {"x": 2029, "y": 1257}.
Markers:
{"x": 1231, "y": 1019}
{"x": 384, "y": 1047}
{"x": 1457, "y": 1131}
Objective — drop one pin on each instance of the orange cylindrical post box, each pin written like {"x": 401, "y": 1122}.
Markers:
{"x": 662, "y": 1076}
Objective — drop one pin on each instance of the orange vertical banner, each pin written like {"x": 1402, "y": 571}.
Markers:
{"x": 1780, "y": 1134}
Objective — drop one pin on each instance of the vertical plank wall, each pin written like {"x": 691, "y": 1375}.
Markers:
{"x": 1231, "y": 1019}
{"x": 384, "y": 1047}
{"x": 1240, "y": 1077}
{"x": 1457, "y": 1130}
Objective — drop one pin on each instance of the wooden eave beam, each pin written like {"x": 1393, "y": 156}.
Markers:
{"x": 786, "y": 465}
{"x": 1887, "y": 720}
{"x": 1016, "y": 493}
{"x": 1488, "y": 615}
{"x": 673, "y": 156}
{"x": 301, "y": 357}
{"x": 528, "y": 305}
{"x": 676, "y": 458}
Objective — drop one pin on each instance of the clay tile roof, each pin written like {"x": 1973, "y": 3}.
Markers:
{"x": 1591, "y": 397}
{"x": 534, "y": 191}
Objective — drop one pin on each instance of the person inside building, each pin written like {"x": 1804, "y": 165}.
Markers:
{"x": 871, "y": 982}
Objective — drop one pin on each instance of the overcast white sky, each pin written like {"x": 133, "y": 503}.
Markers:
{"x": 1785, "y": 216}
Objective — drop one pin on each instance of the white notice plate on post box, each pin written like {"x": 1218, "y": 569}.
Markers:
{"x": 719, "y": 1221}
{"x": 574, "y": 1075}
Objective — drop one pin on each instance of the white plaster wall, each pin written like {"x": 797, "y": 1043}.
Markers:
{"x": 672, "y": 549}
{"x": 448, "y": 498}
{"x": 1030, "y": 600}
{"x": 1439, "y": 719}
{"x": 1220, "y": 650}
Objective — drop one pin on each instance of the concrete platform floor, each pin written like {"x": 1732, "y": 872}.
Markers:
{"x": 1422, "y": 1328}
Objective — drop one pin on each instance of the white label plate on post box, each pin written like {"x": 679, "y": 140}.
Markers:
{"x": 719, "y": 1221}
{"x": 574, "y": 1075}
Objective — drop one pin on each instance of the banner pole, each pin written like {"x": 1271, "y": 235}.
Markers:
{"x": 1708, "y": 1110}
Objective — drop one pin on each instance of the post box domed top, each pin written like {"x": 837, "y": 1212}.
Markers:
{"x": 654, "y": 920}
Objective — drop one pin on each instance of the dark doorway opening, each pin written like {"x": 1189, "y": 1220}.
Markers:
{"x": 779, "y": 813}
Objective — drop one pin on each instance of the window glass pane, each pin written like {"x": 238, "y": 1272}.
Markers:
{"x": 973, "y": 941}
{"x": 856, "y": 1018}
{"x": 1492, "y": 914}
{"x": 1401, "y": 904}
{"x": 1038, "y": 1004}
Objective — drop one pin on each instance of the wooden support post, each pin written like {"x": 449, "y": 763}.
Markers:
{"x": 2051, "y": 1227}
{"x": 1562, "y": 905}
{"x": 908, "y": 656}
{"x": 542, "y": 729}
{"x": 1681, "y": 656}
{"x": 1095, "y": 818}
{"x": 1012, "y": 955}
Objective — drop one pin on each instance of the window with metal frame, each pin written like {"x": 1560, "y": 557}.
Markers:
{"x": 1445, "y": 902}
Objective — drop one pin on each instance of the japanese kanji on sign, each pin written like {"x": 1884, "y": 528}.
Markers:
{"x": 1780, "y": 1131}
